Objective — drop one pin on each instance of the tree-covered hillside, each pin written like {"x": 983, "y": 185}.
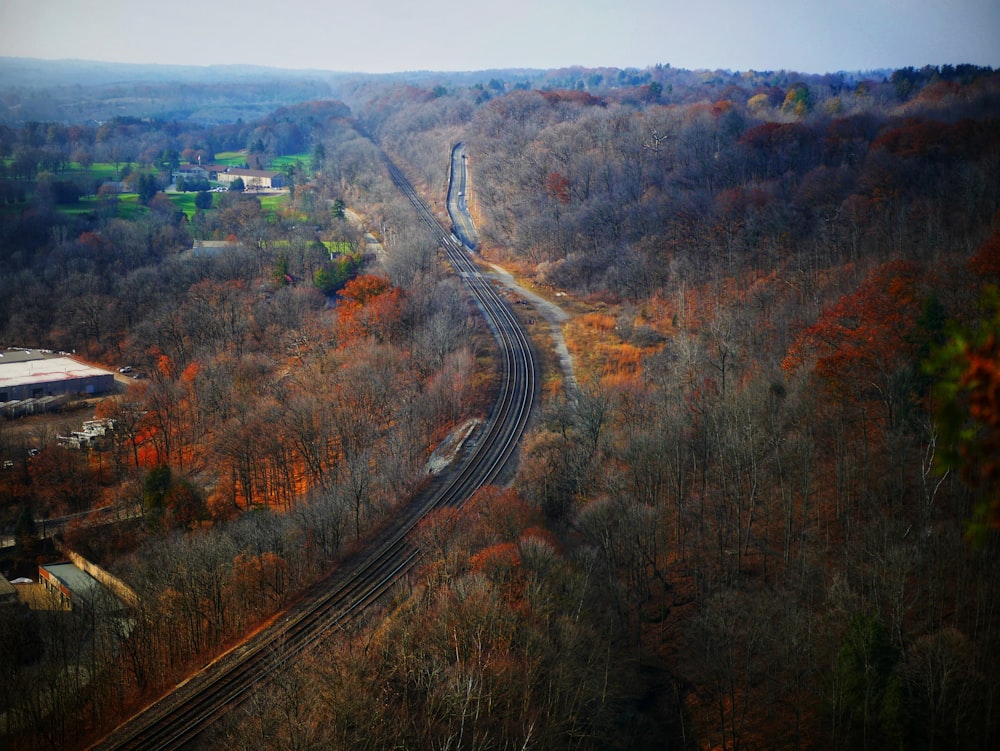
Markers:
{"x": 766, "y": 515}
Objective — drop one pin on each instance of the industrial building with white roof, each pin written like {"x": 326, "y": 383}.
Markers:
{"x": 34, "y": 374}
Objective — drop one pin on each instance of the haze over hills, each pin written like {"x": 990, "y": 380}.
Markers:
{"x": 387, "y": 36}
{"x": 87, "y": 90}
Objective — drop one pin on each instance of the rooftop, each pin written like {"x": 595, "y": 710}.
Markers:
{"x": 243, "y": 172}
{"x": 79, "y": 582}
{"x": 17, "y": 370}
{"x": 23, "y": 354}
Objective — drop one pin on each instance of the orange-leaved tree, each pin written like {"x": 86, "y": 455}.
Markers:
{"x": 369, "y": 308}
{"x": 861, "y": 344}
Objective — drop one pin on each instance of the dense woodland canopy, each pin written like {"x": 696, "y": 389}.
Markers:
{"x": 766, "y": 518}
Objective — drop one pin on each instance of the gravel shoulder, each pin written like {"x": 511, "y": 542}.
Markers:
{"x": 554, "y": 316}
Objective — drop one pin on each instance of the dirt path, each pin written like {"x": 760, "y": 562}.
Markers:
{"x": 553, "y": 314}
{"x": 372, "y": 245}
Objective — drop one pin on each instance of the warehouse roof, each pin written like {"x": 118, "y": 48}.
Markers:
{"x": 74, "y": 578}
{"x": 17, "y": 371}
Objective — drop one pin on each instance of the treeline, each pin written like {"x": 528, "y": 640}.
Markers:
{"x": 610, "y": 199}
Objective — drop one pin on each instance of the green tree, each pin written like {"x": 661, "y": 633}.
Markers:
{"x": 25, "y": 531}
{"x": 318, "y": 156}
{"x": 185, "y": 503}
{"x": 290, "y": 171}
{"x": 967, "y": 410}
{"x": 146, "y": 187}
{"x": 170, "y": 160}
{"x": 203, "y": 200}
{"x": 154, "y": 493}
{"x": 280, "y": 272}
{"x": 798, "y": 100}
{"x": 335, "y": 274}
{"x": 865, "y": 692}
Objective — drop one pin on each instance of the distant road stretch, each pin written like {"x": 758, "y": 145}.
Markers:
{"x": 458, "y": 198}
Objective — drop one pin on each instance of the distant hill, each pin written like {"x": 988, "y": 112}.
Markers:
{"x": 80, "y": 91}
{"x": 19, "y": 71}
{"x": 90, "y": 91}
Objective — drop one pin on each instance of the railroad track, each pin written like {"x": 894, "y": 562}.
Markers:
{"x": 182, "y": 716}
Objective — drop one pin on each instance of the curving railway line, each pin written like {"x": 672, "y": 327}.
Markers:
{"x": 177, "y": 720}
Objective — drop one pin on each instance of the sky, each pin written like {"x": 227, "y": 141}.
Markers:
{"x": 383, "y": 36}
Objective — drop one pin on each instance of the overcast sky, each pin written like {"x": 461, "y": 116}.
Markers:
{"x": 378, "y": 36}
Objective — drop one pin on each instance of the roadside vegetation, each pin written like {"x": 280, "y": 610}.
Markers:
{"x": 767, "y": 517}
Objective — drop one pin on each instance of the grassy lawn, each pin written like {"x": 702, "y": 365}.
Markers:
{"x": 270, "y": 204}
{"x": 239, "y": 158}
{"x": 96, "y": 171}
{"x": 128, "y": 203}
{"x": 230, "y": 158}
{"x": 128, "y": 206}
{"x": 273, "y": 203}
{"x": 338, "y": 246}
{"x": 281, "y": 161}
{"x": 185, "y": 202}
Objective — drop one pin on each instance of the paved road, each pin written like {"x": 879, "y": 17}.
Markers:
{"x": 458, "y": 198}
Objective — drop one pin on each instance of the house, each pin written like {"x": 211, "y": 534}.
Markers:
{"x": 69, "y": 585}
{"x": 191, "y": 173}
{"x": 8, "y": 594}
{"x": 211, "y": 248}
{"x": 252, "y": 179}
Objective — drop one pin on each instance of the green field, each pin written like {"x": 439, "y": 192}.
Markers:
{"x": 185, "y": 202}
{"x": 338, "y": 246}
{"x": 281, "y": 161}
{"x": 230, "y": 158}
{"x": 74, "y": 170}
{"x": 128, "y": 206}
{"x": 239, "y": 158}
{"x": 86, "y": 178}
{"x": 273, "y": 203}
{"x": 96, "y": 171}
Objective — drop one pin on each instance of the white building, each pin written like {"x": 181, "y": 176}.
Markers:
{"x": 32, "y": 374}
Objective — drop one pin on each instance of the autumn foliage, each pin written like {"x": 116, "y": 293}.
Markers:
{"x": 369, "y": 308}
{"x": 860, "y": 342}
{"x": 744, "y": 524}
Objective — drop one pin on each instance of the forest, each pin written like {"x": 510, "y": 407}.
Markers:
{"x": 765, "y": 515}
